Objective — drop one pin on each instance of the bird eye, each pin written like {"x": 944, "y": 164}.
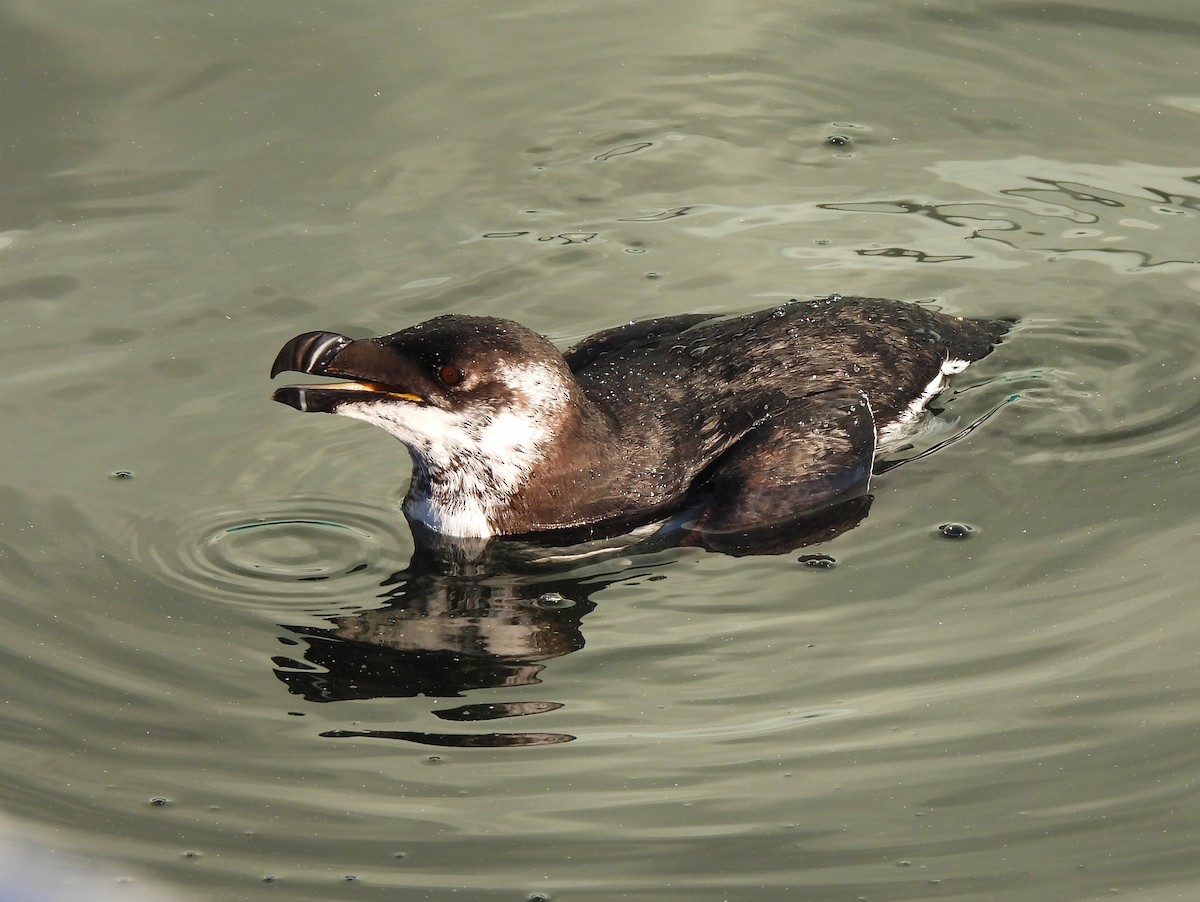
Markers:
{"x": 449, "y": 376}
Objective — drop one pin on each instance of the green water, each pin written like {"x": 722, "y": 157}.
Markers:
{"x": 188, "y": 185}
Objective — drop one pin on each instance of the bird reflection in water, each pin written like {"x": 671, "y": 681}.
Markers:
{"x": 486, "y": 614}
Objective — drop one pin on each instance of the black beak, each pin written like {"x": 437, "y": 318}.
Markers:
{"x": 376, "y": 371}
{"x": 309, "y": 353}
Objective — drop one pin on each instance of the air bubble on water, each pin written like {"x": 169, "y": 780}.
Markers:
{"x": 955, "y": 530}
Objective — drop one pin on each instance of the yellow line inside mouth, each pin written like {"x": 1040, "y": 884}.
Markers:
{"x": 373, "y": 387}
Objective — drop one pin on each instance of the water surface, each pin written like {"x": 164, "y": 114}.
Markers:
{"x": 222, "y": 671}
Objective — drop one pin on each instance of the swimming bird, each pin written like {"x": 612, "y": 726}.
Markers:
{"x": 740, "y": 421}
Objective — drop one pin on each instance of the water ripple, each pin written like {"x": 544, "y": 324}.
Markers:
{"x": 1114, "y": 388}
{"x": 298, "y": 550}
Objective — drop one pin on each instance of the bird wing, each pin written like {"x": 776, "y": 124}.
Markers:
{"x": 642, "y": 333}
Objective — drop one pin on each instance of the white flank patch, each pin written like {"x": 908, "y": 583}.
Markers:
{"x": 899, "y": 430}
{"x": 476, "y": 458}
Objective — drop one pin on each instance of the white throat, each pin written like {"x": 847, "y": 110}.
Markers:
{"x": 468, "y": 464}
